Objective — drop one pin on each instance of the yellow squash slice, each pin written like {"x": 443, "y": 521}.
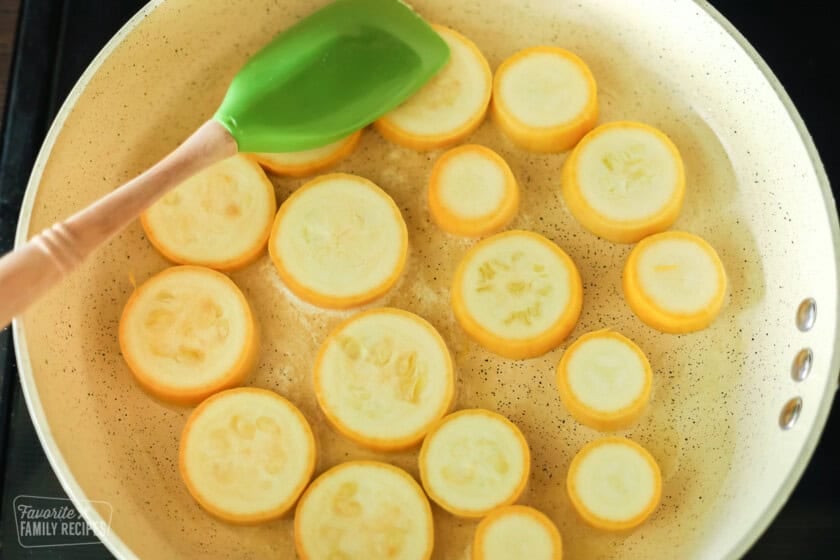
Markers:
{"x": 614, "y": 484}
{"x": 339, "y": 241}
{"x": 474, "y": 461}
{"x": 604, "y": 380}
{"x": 675, "y": 282}
{"x": 517, "y": 293}
{"x": 624, "y": 181}
{"x": 544, "y": 99}
{"x": 219, "y": 218}
{"x": 187, "y": 333}
{"x": 472, "y": 191}
{"x": 383, "y": 377}
{"x": 246, "y": 455}
{"x": 309, "y": 162}
{"x": 517, "y": 533}
{"x": 366, "y": 510}
{"x": 447, "y": 109}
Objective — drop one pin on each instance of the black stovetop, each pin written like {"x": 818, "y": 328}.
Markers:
{"x": 58, "y": 38}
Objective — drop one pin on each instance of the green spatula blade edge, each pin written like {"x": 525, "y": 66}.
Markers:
{"x": 332, "y": 73}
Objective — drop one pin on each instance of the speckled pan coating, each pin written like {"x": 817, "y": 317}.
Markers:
{"x": 755, "y": 191}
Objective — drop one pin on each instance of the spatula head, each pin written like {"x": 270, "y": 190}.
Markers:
{"x": 329, "y": 75}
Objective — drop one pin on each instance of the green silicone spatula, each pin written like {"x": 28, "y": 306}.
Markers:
{"x": 327, "y": 76}
{"x": 331, "y": 74}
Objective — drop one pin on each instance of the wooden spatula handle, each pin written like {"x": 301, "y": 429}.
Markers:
{"x": 26, "y": 274}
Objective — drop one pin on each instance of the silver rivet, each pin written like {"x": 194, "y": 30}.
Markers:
{"x": 806, "y": 315}
{"x": 790, "y": 413}
{"x": 802, "y": 363}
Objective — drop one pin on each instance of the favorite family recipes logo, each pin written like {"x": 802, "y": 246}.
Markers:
{"x": 46, "y": 522}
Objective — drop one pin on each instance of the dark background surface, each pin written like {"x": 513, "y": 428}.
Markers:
{"x": 8, "y": 24}
{"x": 56, "y": 39}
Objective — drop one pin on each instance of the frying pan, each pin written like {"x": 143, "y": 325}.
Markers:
{"x": 736, "y": 410}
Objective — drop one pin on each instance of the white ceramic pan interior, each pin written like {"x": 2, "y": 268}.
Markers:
{"x": 756, "y": 191}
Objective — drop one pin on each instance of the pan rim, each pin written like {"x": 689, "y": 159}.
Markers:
{"x": 115, "y": 544}
{"x": 96, "y": 522}
{"x": 784, "y": 491}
